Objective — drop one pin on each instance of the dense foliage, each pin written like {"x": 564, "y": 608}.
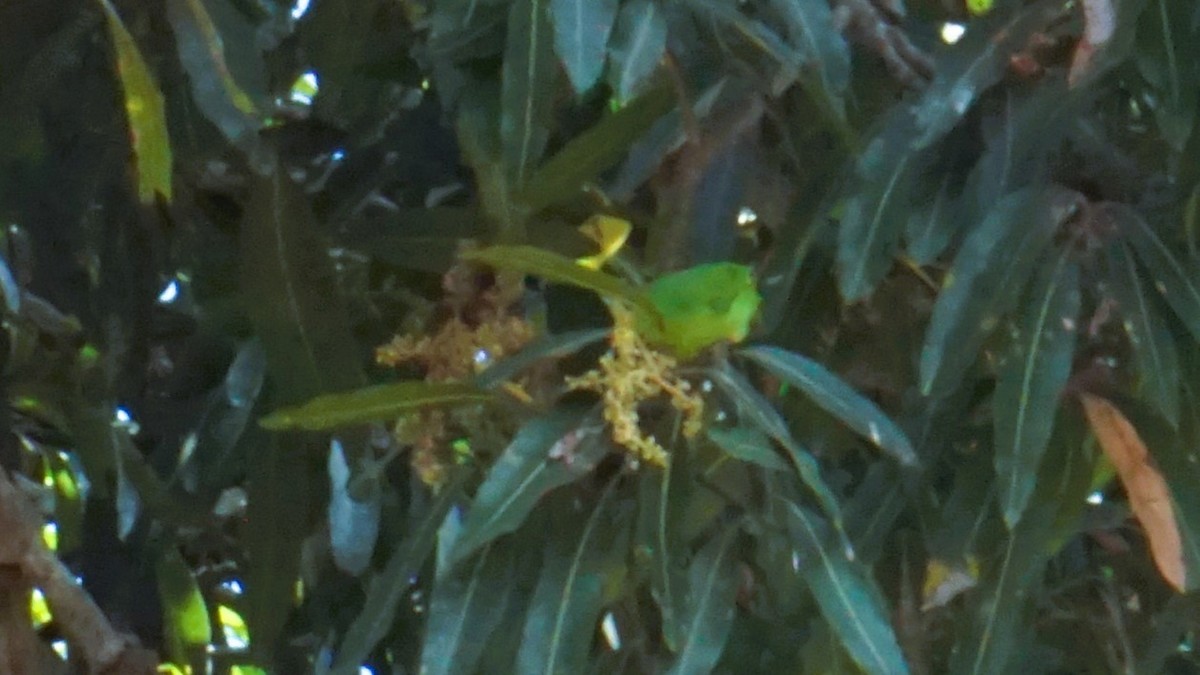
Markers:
{"x": 546, "y": 336}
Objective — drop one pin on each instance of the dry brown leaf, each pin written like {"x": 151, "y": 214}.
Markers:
{"x": 1148, "y": 493}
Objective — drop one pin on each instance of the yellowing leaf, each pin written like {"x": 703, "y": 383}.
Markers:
{"x": 610, "y": 235}
{"x": 1148, "y": 493}
{"x": 145, "y": 111}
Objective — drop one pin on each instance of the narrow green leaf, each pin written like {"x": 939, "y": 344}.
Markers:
{"x": 581, "y": 29}
{"x": 810, "y": 28}
{"x": 1166, "y": 58}
{"x": 547, "y": 452}
{"x": 1176, "y": 278}
{"x": 185, "y": 612}
{"x": 376, "y": 403}
{"x": 662, "y": 499}
{"x": 527, "y": 88}
{"x": 712, "y": 589}
{"x": 963, "y": 79}
{"x": 144, "y": 110}
{"x": 392, "y": 585}
{"x": 875, "y": 213}
{"x": 1153, "y": 346}
{"x": 1030, "y": 381}
{"x": 755, "y": 409}
{"x": 465, "y": 607}
{"x": 928, "y": 231}
{"x": 837, "y": 398}
{"x": 561, "y": 270}
{"x": 214, "y": 89}
{"x": 748, "y": 444}
{"x": 986, "y": 279}
{"x": 638, "y": 44}
{"x": 581, "y": 565}
{"x": 848, "y": 598}
{"x": 601, "y": 147}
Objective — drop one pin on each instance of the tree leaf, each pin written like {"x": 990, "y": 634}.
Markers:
{"x": 928, "y": 231}
{"x": 1149, "y": 496}
{"x": 527, "y": 88}
{"x": 1177, "y": 280}
{"x": 581, "y": 29}
{"x": 847, "y": 596}
{"x": 375, "y": 403}
{"x": 712, "y": 590}
{"x": 144, "y": 110}
{"x": 1030, "y": 381}
{"x": 545, "y": 347}
{"x": 465, "y": 607}
{"x": 602, "y": 146}
{"x": 986, "y": 280}
{"x": 547, "y": 452}
{"x": 1165, "y": 57}
{"x": 758, "y": 411}
{"x": 662, "y": 502}
{"x": 186, "y": 613}
{"x": 876, "y": 212}
{"x": 638, "y": 44}
{"x": 393, "y": 583}
{"x": 748, "y": 444}
{"x": 353, "y": 519}
{"x": 1153, "y": 346}
{"x": 581, "y": 565}
{"x": 837, "y": 398}
{"x": 819, "y": 45}
{"x": 561, "y": 270}
{"x": 214, "y": 89}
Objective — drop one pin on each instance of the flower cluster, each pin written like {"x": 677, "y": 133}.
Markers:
{"x": 632, "y": 373}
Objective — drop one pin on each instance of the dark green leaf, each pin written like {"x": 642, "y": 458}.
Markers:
{"x": 755, "y": 409}
{"x": 847, "y": 596}
{"x": 527, "y": 90}
{"x": 876, "y": 211}
{"x": 465, "y": 607}
{"x": 1166, "y": 58}
{"x": 595, "y": 150}
{"x": 928, "y": 231}
{"x": 376, "y": 403}
{"x": 986, "y": 279}
{"x": 820, "y": 46}
{"x": 638, "y": 44}
{"x": 547, "y": 452}
{"x": 582, "y": 565}
{"x": 1153, "y": 346}
{"x": 545, "y": 347}
{"x": 393, "y": 583}
{"x": 581, "y": 29}
{"x": 1177, "y": 277}
{"x": 712, "y": 588}
{"x": 663, "y": 497}
{"x": 837, "y": 398}
{"x": 1031, "y": 380}
{"x": 748, "y": 444}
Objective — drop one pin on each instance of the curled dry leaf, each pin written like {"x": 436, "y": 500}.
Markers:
{"x": 1144, "y": 483}
{"x": 1099, "y": 24}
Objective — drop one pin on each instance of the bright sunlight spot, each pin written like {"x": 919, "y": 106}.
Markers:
{"x": 1096, "y": 498}
{"x": 60, "y": 647}
{"x": 952, "y": 32}
{"x": 233, "y": 627}
{"x": 169, "y": 293}
{"x": 299, "y": 9}
{"x": 305, "y": 88}
{"x": 746, "y": 216}
{"x": 50, "y": 536}
{"x": 39, "y": 610}
{"x": 609, "y": 626}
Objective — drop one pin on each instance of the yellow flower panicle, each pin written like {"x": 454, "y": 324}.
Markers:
{"x": 631, "y": 373}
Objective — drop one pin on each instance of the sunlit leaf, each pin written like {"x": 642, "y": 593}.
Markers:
{"x": 527, "y": 88}
{"x": 837, "y": 398}
{"x": 986, "y": 279}
{"x": 379, "y": 402}
{"x": 184, "y": 608}
{"x": 465, "y": 607}
{"x": 712, "y": 587}
{"x": 561, "y": 270}
{"x": 1031, "y": 379}
{"x": 748, "y": 444}
{"x": 638, "y": 43}
{"x": 547, "y": 452}
{"x": 145, "y": 112}
{"x": 1153, "y": 346}
{"x": 391, "y": 585}
{"x": 1148, "y": 493}
{"x": 609, "y": 233}
{"x": 1175, "y": 275}
{"x": 847, "y": 596}
{"x": 581, "y": 29}
{"x": 583, "y": 561}
{"x": 214, "y": 89}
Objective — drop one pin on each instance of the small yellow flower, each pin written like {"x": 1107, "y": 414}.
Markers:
{"x": 631, "y": 373}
